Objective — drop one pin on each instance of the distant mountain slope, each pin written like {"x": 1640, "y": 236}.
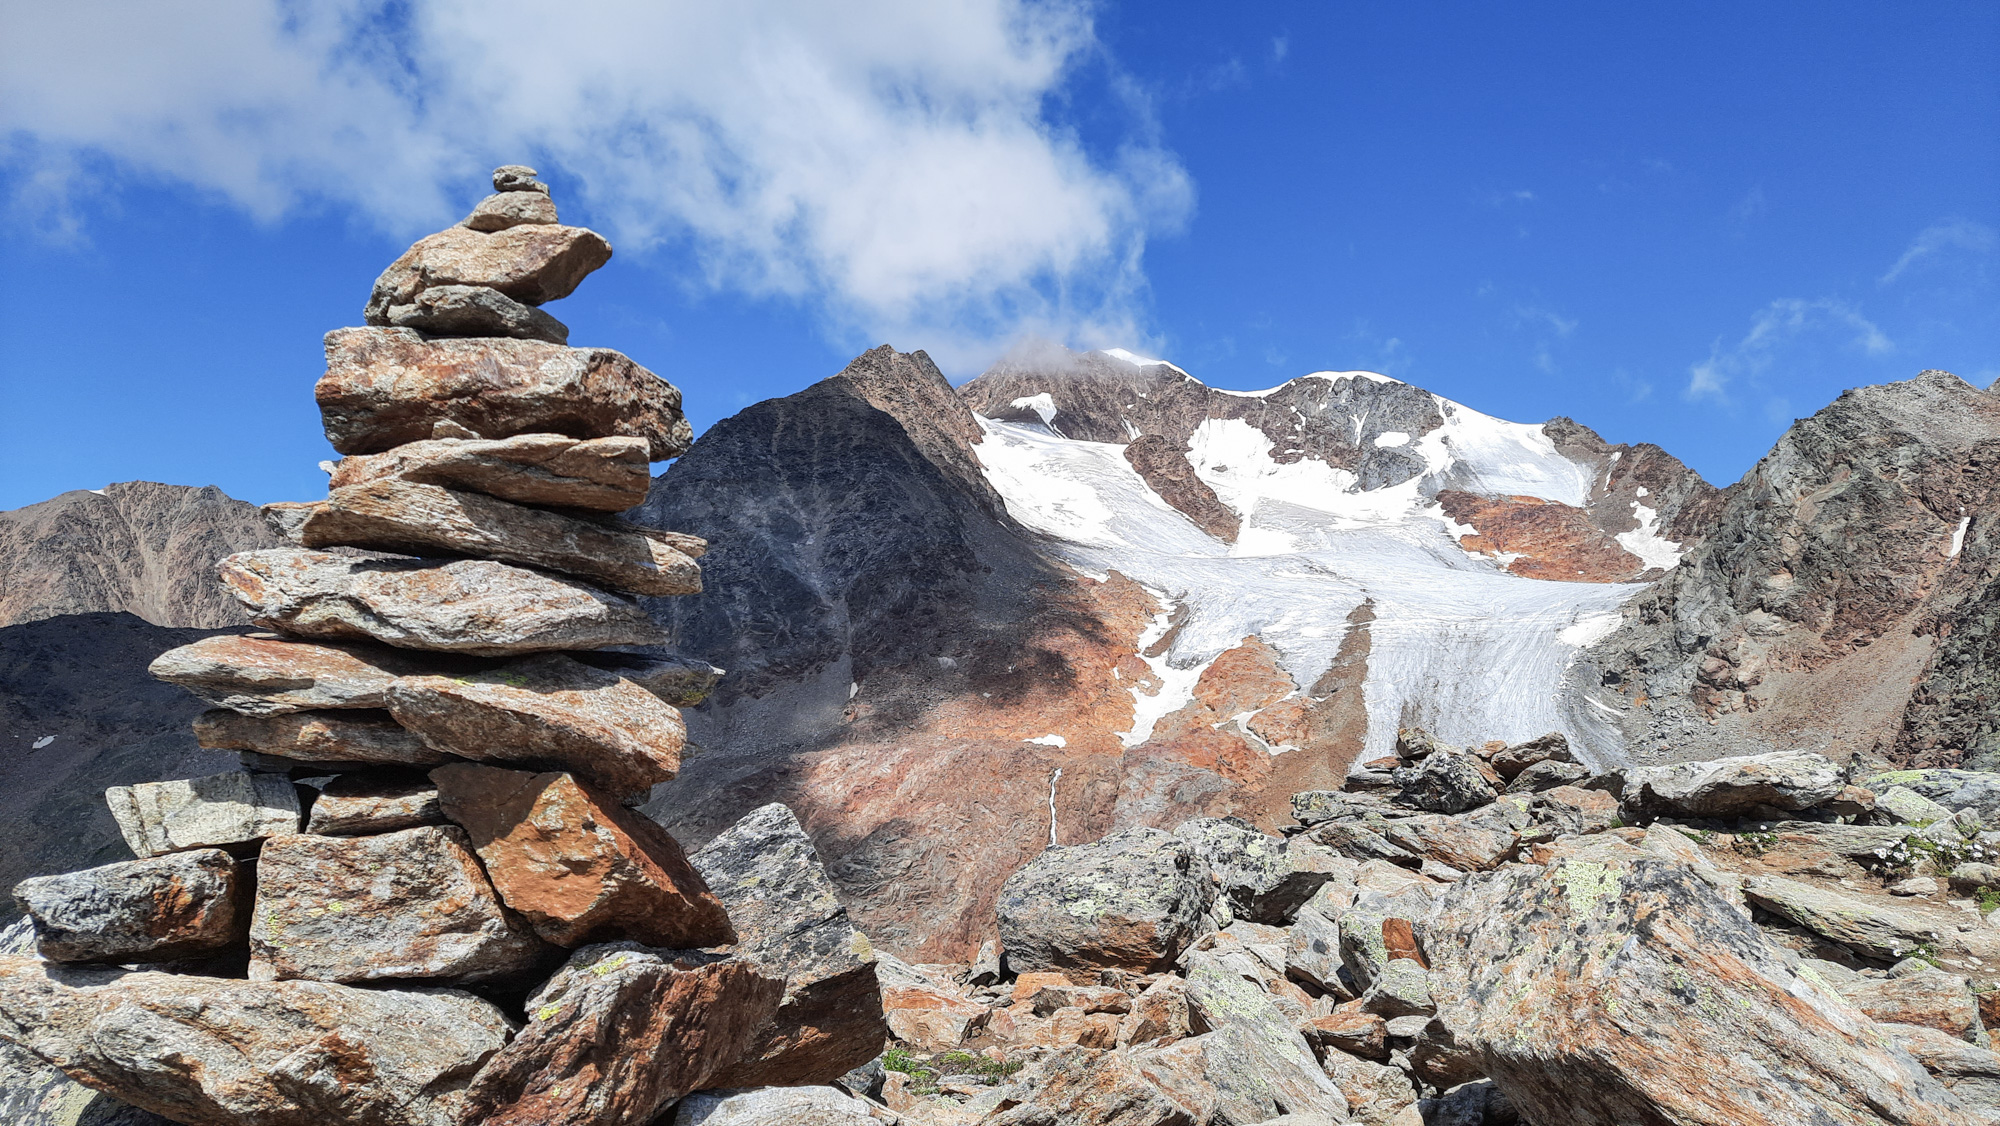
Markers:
{"x": 77, "y": 714}
{"x": 136, "y": 547}
{"x": 1846, "y": 601}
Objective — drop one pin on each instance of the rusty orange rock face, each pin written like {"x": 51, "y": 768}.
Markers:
{"x": 577, "y": 866}
{"x": 1550, "y": 540}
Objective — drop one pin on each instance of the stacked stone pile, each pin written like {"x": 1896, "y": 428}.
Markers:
{"x": 1490, "y": 936}
{"x": 425, "y": 898}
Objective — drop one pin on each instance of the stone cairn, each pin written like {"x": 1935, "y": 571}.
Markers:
{"x": 425, "y": 899}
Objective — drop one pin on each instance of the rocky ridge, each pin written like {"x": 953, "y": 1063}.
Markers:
{"x": 422, "y": 899}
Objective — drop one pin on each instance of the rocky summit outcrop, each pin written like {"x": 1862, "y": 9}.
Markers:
{"x": 272, "y": 894}
{"x": 1844, "y": 602}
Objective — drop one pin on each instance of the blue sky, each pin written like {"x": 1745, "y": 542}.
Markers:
{"x": 1687, "y": 225}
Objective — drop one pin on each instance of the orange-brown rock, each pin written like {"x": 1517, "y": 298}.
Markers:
{"x": 575, "y": 865}
{"x": 1546, "y": 539}
{"x": 1068, "y": 1026}
{"x": 374, "y": 801}
{"x": 1028, "y": 984}
{"x": 410, "y": 905}
{"x": 1089, "y": 1087}
{"x": 1360, "y": 1033}
{"x": 324, "y": 737}
{"x": 162, "y": 909}
{"x": 608, "y": 474}
{"x": 1932, "y": 998}
{"x": 1159, "y": 1014}
{"x": 618, "y": 1034}
{"x": 472, "y": 606}
{"x": 387, "y": 386}
{"x": 548, "y": 711}
{"x": 532, "y": 263}
{"x": 930, "y": 1019}
{"x": 396, "y": 515}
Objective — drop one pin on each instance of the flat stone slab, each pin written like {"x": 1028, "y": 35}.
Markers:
{"x": 619, "y": 1033}
{"x": 475, "y": 310}
{"x": 262, "y": 674}
{"x": 1789, "y": 780}
{"x": 387, "y": 386}
{"x": 606, "y": 474}
{"x": 502, "y": 210}
{"x": 1865, "y": 926}
{"x": 532, "y": 263}
{"x": 403, "y": 906}
{"x": 549, "y": 712}
{"x": 288, "y": 1053}
{"x": 396, "y": 515}
{"x": 788, "y": 920}
{"x": 237, "y": 808}
{"x": 164, "y": 909}
{"x": 470, "y": 606}
{"x": 333, "y": 738}
{"x": 575, "y": 865}
{"x": 385, "y": 801}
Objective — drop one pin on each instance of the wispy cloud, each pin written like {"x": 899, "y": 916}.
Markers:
{"x": 1776, "y": 329}
{"x": 1280, "y": 47}
{"x": 1751, "y": 206}
{"x": 1951, "y": 234}
{"x": 891, "y": 163}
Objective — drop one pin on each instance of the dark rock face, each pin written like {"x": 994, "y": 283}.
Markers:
{"x": 138, "y": 547}
{"x": 164, "y": 909}
{"x": 1859, "y": 556}
{"x": 1167, "y": 470}
{"x": 81, "y": 678}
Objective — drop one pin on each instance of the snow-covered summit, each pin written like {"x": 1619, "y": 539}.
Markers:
{"x": 1355, "y": 496}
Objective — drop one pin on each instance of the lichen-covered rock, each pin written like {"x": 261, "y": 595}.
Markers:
{"x": 788, "y": 921}
{"x": 1312, "y": 945}
{"x": 1863, "y": 925}
{"x": 1448, "y": 781}
{"x": 1977, "y": 790}
{"x": 472, "y": 606}
{"x": 376, "y": 801}
{"x": 1595, "y": 991}
{"x": 1547, "y": 775}
{"x": 237, "y": 808}
{"x": 1089, "y": 1087}
{"x": 549, "y": 711}
{"x": 575, "y": 865}
{"x": 387, "y": 386}
{"x": 1266, "y": 879}
{"x": 289, "y": 1053}
{"x": 258, "y": 674}
{"x": 183, "y": 905}
{"x": 772, "y": 1106}
{"x": 410, "y": 905}
{"x": 1970, "y": 1073}
{"x": 1726, "y": 787}
{"x": 532, "y": 263}
{"x": 1254, "y": 1056}
{"x": 606, "y": 474}
{"x": 475, "y": 310}
{"x": 1132, "y": 901}
{"x": 1910, "y": 807}
{"x": 619, "y": 1033}
{"x": 398, "y": 515}
{"x": 344, "y": 738}
{"x": 1401, "y": 989}
{"x": 1363, "y": 1034}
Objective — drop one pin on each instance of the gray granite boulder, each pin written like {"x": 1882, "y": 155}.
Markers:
{"x": 1977, "y": 790}
{"x": 237, "y": 808}
{"x": 1266, "y": 879}
{"x": 1448, "y": 781}
{"x": 1729, "y": 787}
{"x": 476, "y": 310}
{"x": 1133, "y": 901}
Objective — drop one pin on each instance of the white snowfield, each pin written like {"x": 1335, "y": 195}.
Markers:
{"x": 1458, "y": 645}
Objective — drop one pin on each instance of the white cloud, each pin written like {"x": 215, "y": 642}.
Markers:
{"x": 892, "y": 163}
{"x": 1951, "y": 234}
{"x": 1777, "y": 331}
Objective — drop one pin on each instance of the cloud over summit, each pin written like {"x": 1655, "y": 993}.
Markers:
{"x": 897, "y": 166}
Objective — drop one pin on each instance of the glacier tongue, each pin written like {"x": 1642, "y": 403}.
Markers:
{"x": 1457, "y": 645}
